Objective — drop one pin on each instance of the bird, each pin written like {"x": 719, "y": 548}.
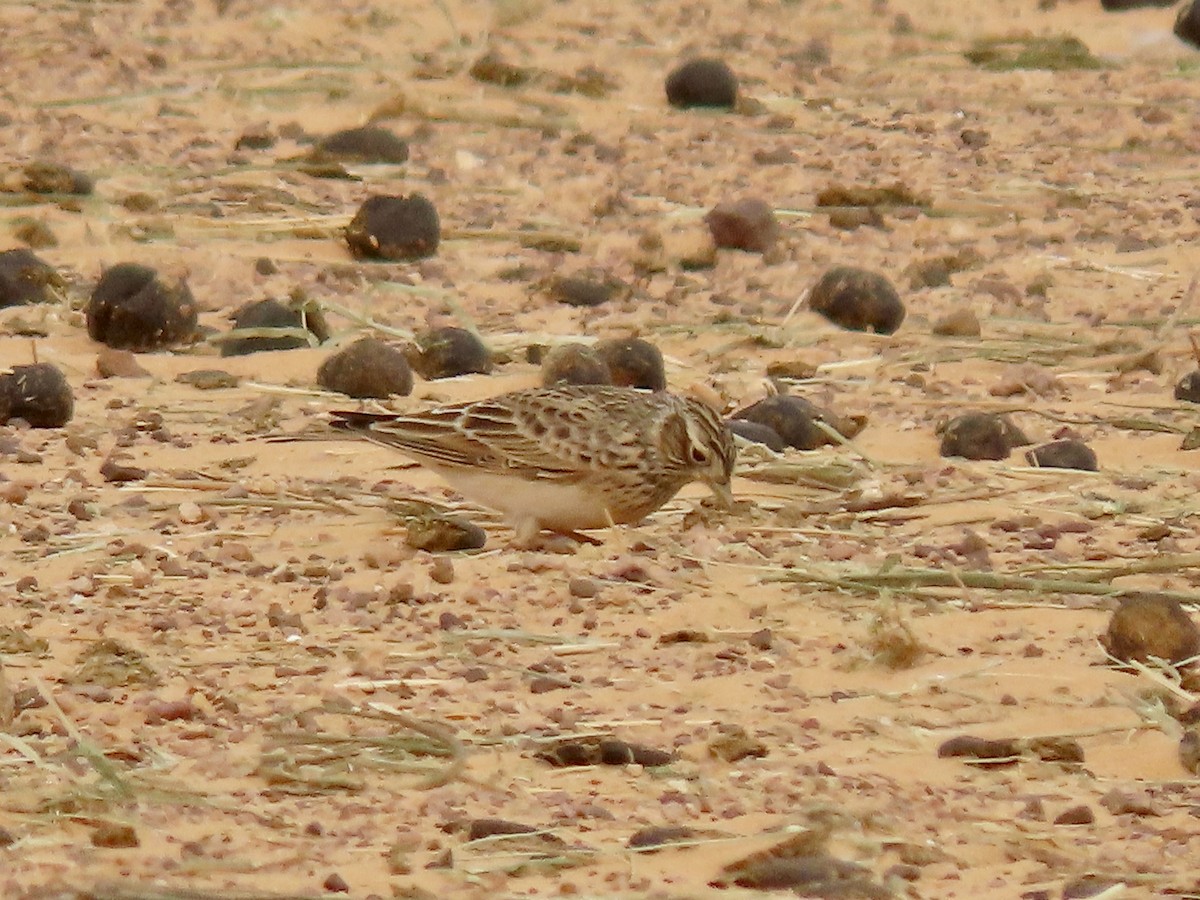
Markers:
{"x": 563, "y": 458}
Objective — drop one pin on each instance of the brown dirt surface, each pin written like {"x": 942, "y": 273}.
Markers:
{"x": 231, "y": 677}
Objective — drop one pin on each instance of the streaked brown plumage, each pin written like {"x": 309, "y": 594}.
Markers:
{"x": 564, "y": 458}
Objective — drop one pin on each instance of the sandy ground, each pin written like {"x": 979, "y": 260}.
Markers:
{"x": 296, "y": 703}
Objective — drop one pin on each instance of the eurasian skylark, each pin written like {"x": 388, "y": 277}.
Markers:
{"x": 564, "y": 458}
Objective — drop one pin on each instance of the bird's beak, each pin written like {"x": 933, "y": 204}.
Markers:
{"x": 723, "y": 493}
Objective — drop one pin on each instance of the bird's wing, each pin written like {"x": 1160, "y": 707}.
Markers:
{"x": 469, "y": 435}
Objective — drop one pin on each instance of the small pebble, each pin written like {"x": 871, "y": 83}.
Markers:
{"x": 394, "y": 228}
{"x": 208, "y": 379}
{"x": 587, "y": 290}
{"x": 1187, "y": 388}
{"x": 112, "y": 363}
{"x": 702, "y": 82}
{"x": 131, "y": 308}
{"x": 367, "y": 368}
{"x": 336, "y": 884}
{"x": 114, "y": 835}
{"x": 1064, "y": 454}
{"x": 857, "y": 300}
{"x": 37, "y": 393}
{"x": 748, "y": 224}
{"x": 1187, "y": 23}
{"x": 1076, "y": 815}
{"x": 981, "y": 436}
{"x": 449, "y": 351}
{"x": 633, "y": 362}
{"x": 368, "y": 144}
{"x": 444, "y": 534}
{"x": 25, "y": 278}
{"x": 273, "y": 314}
{"x": 757, "y": 433}
{"x": 792, "y": 419}
{"x": 441, "y": 570}
{"x": 574, "y": 364}
{"x": 961, "y": 322}
{"x": 1148, "y": 625}
{"x": 52, "y": 178}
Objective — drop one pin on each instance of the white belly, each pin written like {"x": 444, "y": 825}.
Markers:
{"x": 556, "y": 506}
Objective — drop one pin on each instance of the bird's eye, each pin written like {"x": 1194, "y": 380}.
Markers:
{"x": 699, "y": 457}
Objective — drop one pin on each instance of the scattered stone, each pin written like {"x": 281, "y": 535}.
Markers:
{"x": 34, "y": 233}
{"x": 367, "y": 368}
{"x": 262, "y": 314}
{"x": 1187, "y": 24}
{"x": 657, "y": 835}
{"x": 1007, "y": 751}
{"x": 442, "y": 570}
{"x": 588, "y": 81}
{"x": 444, "y": 534}
{"x": 1188, "y": 387}
{"x": 1054, "y": 53}
{"x": 587, "y": 290}
{"x": 1027, "y": 378}
{"x": 858, "y": 300}
{"x": 702, "y": 82}
{"x": 116, "y": 472}
{"x": 853, "y": 217}
{"x": 792, "y": 418}
{"x": 594, "y": 751}
{"x": 112, "y": 363}
{"x": 1148, "y": 626}
{"x": 114, "y": 836}
{"x": 775, "y": 156}
{"x": 981, "y": 436}
{"x": 795, "y": 369}
{"x": 633, "y": 362}
{"x": 1064, "y": 454}
{"x": 748, "y": 224}
{"x": 394, "y": 228}
{"x": 976, "y": 138}
{"x": 208, "y": 379}
{"x": 574, "y": 364}
{"x": 485, "y": 828}
{"x": 733, "y": 743}
{"x": 132, "y": 309}
{"x": 1131, "y": 803}
{"x": 959, "y": 323}
{"x": 24, "y": 278}
{"x": 757, "y": 433}
{"x": 898, "y": 194}
{"x": 109, "y": 663}
{"x": 684, "y": 636}
{"x": 803, "y": 864}
{"x": 335, "y": 884}
{"x": 492, "y": 68}
{"x": 936, "y": 271}
{"x": 449, "y": 351}
{"x": 369, "y": 144}
{"x": 256, "y": 137}
{"x": 139, "y": 201}
{"x": 1189, "y": 750}
{"x": 762, "y": 640}
{"x": 583, "y": 588}
{"x": 38, "y": 393}
{"x": 1076, "y": 815}
{"x": 52, "y": 178}
{"x": 180, "y": 710}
